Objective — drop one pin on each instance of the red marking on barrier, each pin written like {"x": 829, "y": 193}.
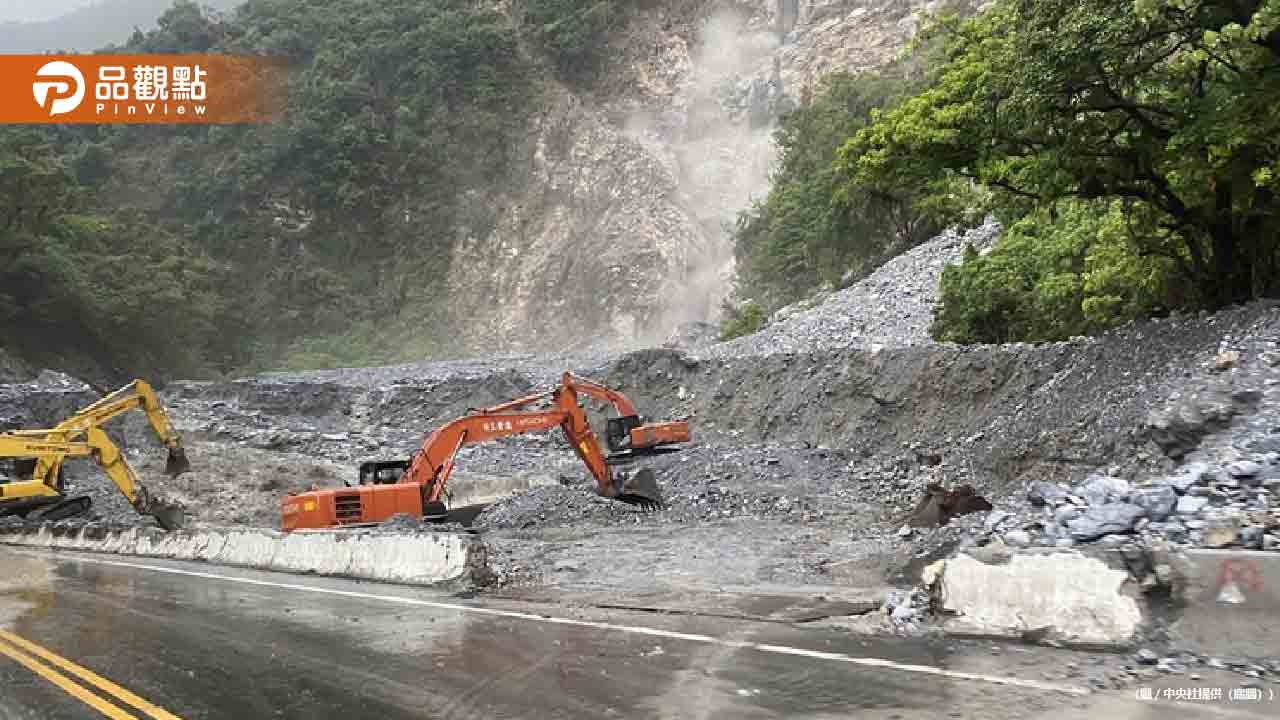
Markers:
{"x": 1244, "y": 571}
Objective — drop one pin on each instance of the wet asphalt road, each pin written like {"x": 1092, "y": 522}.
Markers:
{"x": 203, "y": 646}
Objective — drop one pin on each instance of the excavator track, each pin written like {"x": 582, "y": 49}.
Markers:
{"x": 65, "y": 510}
{"x": 629, "y": 457}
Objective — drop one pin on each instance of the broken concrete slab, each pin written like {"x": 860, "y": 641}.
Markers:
{"x": 1227, "y": 601}
{"x": 410, "y": 559}
{"x": 1060, "y": 596}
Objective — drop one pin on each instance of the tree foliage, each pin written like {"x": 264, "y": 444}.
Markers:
{"x": 323, "y": 238}
{"x": 75, "y": 282}
{"x": 813, "y": 228}
{"x": 1050, "y": 279}
{"x": 574, "y": 32}
{"x": 745, "y": 319}
{"x": 1166, "y": 107}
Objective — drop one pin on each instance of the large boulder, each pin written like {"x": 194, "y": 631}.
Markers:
{"x": 1102, "y": 489}
{"x": 1108, "y": 519}
{"x": 1158, "y": 501}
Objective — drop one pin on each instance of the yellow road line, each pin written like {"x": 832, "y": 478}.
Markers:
{"x": 91, "y": 677}
{"x": 67, "y": 684}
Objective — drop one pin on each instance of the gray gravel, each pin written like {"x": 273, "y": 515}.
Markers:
{"x": 1219, "y": 486}
{"x": 893, "y": 306}
{"x": 814, "y": 440}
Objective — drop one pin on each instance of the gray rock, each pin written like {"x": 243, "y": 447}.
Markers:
{"x": 1159, "y": 501}
{"x": 995, "y": 519}
{"x": 1044, "y": 493}
{"x": 1017, "y": 538}
{"x": 1222, "y": 529}
{"x": 1173, "y": 531}
{"x": 1189, "y": 476}
{"x": 1103, "y": 489}
{"x": 1244, "y": 469}
{"x": 1066, "y": 514}
{"x": 904, "y": 613}
{"x": 1191, "y": 504}
{"x": 1251, "y": 536}
{"x": 1107, "y": 519}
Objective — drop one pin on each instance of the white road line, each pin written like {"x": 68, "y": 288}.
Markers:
{"x": 632, "y": 629}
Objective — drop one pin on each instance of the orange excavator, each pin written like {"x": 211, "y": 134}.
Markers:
{"x": 416, "y": 487}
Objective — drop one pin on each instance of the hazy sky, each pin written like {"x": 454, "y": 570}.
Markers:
{"x": 38, "y": 9}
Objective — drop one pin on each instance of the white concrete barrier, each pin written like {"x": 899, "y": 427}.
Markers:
{"x": 406, "y": 558}
{"x": 1060, "y": 596}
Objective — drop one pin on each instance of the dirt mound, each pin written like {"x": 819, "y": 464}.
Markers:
{"x": 893, "y": 306}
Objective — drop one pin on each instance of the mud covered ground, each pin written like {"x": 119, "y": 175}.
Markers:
{"x": 811, "y": 445}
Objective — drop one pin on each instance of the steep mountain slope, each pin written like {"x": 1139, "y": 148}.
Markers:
{"x": 450, "y": 178}
{"x": 620, "y": 224}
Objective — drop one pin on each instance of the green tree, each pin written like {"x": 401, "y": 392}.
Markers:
{"x": 575, "y": 33}
{"x": 1053, "y": 278}
{"x": 1165, "y": 104}
{"x": 813, "y": 228}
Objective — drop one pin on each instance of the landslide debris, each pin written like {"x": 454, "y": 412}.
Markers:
{"x": 815, "y": 440}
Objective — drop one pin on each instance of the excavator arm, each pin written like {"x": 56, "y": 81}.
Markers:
{"x": 420, "y": 489}
{"x": 432, "y": 465}
{"x": 96, "y": 445}
{"x": 627, "y": 431}
{"x": 81, "y": 435}
{"x": 137, "y": 394}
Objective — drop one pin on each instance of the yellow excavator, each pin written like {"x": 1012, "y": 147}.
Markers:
{"x": 37, "y": 457}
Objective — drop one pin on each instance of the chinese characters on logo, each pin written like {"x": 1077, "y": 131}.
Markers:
{"x": 151, "y": 83}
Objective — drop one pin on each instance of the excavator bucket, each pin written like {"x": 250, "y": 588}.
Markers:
{"x": 641, "y": 489}
{"x": 170, "y": 517}
{"x": 177, "y": 462}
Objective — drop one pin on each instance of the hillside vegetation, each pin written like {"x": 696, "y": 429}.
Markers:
{"x": 1129, "y": 148}
{"x": 83, "y": 25}
{"x": 320, "y": 240}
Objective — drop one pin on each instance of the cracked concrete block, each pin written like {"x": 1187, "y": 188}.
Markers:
{"x": 1227, "y": 602}
{"x": 1061, "y": 596}
{"x": 409, "y": 558}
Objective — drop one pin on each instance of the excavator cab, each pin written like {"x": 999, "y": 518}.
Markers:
{"x": 617, "y": 432}
{"x": 629, "y": 436}
{"x": 382, "y": 472}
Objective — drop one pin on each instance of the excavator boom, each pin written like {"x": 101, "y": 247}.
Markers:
{"x": 625, "y": 432}
{"x": 417, "y": 487}
{"x": 80, "y": 436}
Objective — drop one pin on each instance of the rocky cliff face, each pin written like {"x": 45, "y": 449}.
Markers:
{"x": 614, "y": 230}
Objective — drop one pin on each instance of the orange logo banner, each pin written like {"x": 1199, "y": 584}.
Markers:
{"x": 141, "y": 89}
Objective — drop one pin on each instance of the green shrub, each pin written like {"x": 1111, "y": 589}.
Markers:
{"x": 1051, "y": 278}
{"x": 814, "y": 227}
{"x": 574, "y": 32}
{"x": 745, "y": 319}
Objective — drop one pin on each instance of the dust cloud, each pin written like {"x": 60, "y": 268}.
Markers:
{"x": 717, "y": 137}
